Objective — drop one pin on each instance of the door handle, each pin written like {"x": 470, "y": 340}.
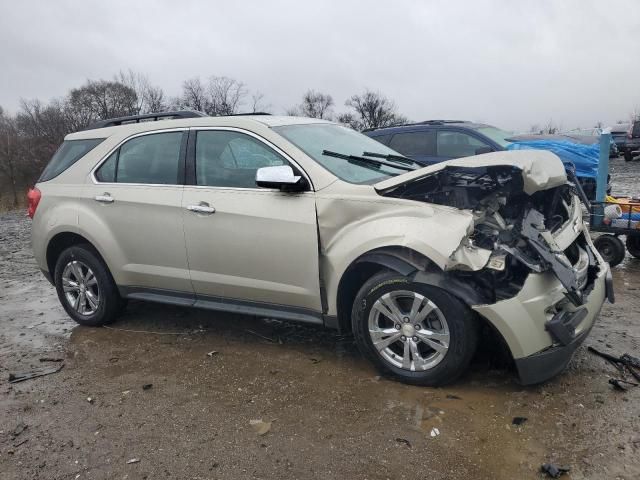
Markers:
{"x": 202, "y": 208}
{"x": 104, "y": 198}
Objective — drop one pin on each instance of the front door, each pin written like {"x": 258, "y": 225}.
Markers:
{"x": 246, "y": 243}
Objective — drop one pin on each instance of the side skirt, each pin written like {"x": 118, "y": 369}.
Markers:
{"x": 230, "y": 305}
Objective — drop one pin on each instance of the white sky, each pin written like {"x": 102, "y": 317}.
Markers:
{"x": 508, "y": 63}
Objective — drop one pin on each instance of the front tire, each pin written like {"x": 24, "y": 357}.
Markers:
{"x": 412, "y": 332}
{"x": 85, "y": 287}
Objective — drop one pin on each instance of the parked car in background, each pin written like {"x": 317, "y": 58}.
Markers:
{"x": 632, "y": 142}
{"x": 305, "y": 220}
{"x": 434, "y": 141}
{"x": 619, "y": 135}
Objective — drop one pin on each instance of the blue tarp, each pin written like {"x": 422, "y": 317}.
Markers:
{"x": 583, "y": 157}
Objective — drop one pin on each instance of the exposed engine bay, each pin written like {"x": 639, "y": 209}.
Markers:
{"x": 520, "y": 233}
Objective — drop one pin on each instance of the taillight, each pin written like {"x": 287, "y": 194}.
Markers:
{"x": 33, "y": 198}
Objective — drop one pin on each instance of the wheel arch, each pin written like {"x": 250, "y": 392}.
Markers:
{"x": 60, "y": 242}
{"x": 403, "y": 261}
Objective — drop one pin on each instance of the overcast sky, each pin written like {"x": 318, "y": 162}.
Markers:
{"x": 512, "y": 64}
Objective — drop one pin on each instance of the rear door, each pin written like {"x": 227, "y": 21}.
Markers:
{"x": 244, "y": 243}
{"x": 135, "y": 196}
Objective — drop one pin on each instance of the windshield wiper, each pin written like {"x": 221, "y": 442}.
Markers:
{"x": 397, "y": 158}
{"x": 369, "y": 162}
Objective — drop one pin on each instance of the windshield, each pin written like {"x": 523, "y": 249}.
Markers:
{"x": 497, "y": 135}
{"x": 315, "y": 138}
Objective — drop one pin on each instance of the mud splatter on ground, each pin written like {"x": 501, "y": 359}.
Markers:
{"x": 332, "y": 416}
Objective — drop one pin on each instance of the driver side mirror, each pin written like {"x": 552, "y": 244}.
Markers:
{"x": 280, "y": 177}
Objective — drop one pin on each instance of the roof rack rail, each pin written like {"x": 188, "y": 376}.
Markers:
{"x": 425, "y": 122}
{"x": 441, "y": 122}
{"x": 112, "y": 122}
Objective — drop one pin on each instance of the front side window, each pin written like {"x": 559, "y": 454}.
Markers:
{"x": 497, "y": 135}
{"x": 313, "y": 138}
{"x": 414, "y": 143}
{"x": 69, "y": 153}
{"x": 231, "y": 159}
{"x": 457, "y": 144}
{"x": 149, "y": 159}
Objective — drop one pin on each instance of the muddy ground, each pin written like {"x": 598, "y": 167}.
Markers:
{"x": 331, "y": 415}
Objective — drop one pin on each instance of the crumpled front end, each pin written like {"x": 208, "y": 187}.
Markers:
{"x": 528, "y": 256}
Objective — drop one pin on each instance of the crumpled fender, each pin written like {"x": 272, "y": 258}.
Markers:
{"x": 349, "y": 227}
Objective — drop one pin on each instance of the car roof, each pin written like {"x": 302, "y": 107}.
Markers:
{"x": 248, "y": 122}
{"x": 428, "y": 124}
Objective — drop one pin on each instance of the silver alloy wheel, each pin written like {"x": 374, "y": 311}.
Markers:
{"x": 81, "y": 288}
{"x": 408, "y": 330}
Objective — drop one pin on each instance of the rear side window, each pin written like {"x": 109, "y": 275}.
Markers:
{"x": 69, "y": 153}
{"x": 150, "y": 159}
{"x": 414, "y": 143}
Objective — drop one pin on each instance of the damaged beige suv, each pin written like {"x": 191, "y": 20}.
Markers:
{"x": 306, "y": 220}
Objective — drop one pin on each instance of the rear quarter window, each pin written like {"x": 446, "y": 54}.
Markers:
{"x": 69, "y": 153}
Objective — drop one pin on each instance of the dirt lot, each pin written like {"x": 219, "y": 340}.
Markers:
{"x": 332, "y": 416}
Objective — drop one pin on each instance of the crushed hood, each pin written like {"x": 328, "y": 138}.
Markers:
{"x": 541, "y": 170}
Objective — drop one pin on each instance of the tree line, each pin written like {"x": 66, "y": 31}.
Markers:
{"x": 29, "y": 137}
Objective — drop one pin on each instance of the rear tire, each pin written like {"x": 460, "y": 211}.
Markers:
{"x": 610, "y": 248}
{"x": 86, "y": 288}
{"x": 412, "y": 332}
{"x": 627, "y": 156}
{"x": 633, "y": 245}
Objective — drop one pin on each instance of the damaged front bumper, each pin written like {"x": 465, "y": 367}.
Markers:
{"x": 542, "y": 327}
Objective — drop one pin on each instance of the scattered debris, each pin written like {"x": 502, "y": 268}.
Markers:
{"x": 21, "y": 427}
{"x": 435, "y": 432}
{"x": 404, "y": 440}
{"x": 553, "y": 470}
{"x": 190, "y": 332}
{"x": 21, "y": 377}
{"x": 264, "y": 337}
{"x": 519, "y": 420}
{"x": 212, "y": 353}
{"x": 453, "y": 397}
{"x": 315, "y": 360}
{"x": 50, "y": 359}
{"x": 22, "y": 442}
{"x": 133, "y": 460}
{"x": 618, "y": 384}
{"x": 90, "y": 400}
{"x": 147, "y": 386}
{"x": 632, "y": 364}
{"x": 261, "y": 428}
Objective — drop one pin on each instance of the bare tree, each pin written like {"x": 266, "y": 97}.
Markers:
{"x": 154, "y": 100}
{"x": 374, "y": 110}
{"x": 551, "y": 128}
{"x": 104, "y": 99}
{"x": 225, "y": 96}
{"x": 9, "y": 155}
{"x": 350, "y": 120}
{"x": 315, "y": 105}
{"x": 149, "y": 98}
{"x": 257, "y": 103}
{"x": 194, "y": 95}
